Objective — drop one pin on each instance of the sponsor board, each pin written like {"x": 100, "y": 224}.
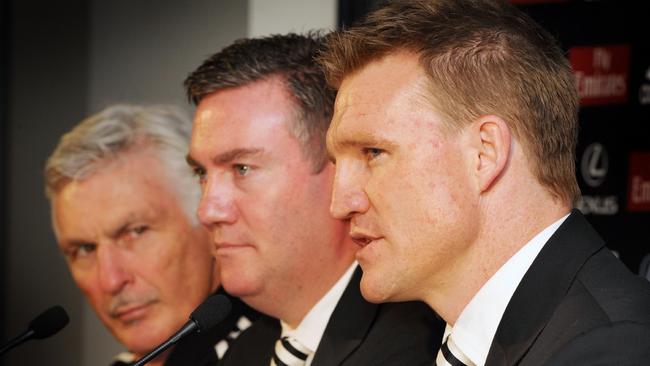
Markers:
{"x": 594, "y": 166}
{"x": 644, "y": 89}
{"x": 638, "y": 197}
{"x": 601, "y": 73}
{"x": 598, "y": 205}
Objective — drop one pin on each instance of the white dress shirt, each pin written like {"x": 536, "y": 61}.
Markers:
{"x": 310, "y": 330}
{"x": 477, "y": 324}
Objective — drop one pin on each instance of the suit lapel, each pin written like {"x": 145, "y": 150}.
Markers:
{"x": 542, "y": 288}
{"x": 347, "y": 326}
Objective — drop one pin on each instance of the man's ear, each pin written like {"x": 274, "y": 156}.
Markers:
{"x": 493, "y": 142}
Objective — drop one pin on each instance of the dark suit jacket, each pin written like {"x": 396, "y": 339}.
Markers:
{"x": 576, "y": 305}
{"x": 358, "y": 333}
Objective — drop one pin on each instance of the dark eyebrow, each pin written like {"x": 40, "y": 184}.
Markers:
{"x": 116, "y": 233}
{"x": 225, "y": 157}
{"x": 191, "y": 162}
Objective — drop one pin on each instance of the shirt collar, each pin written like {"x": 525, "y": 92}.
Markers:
{"x": 310, "y": 330}
{"x": 477, "y": 324}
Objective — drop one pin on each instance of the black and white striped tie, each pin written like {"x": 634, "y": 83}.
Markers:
{"x": 288, "y": 352}
{"x": 451, "y": 355}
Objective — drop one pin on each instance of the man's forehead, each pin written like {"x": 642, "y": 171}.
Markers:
{"x": 82, "y": 204}
{"x": 362, "y": 106}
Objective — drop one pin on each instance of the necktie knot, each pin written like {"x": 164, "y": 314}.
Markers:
{"x": 289, "y": 352}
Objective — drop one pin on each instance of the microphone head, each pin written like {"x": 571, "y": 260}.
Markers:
{"x": 49, "y": 322}
{"x": 211, "y": 311}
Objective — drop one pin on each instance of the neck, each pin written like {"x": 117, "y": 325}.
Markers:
{"x": 308, "y": 284}
{"x": 317, "y": 290}
{"x": 507, "y": 222}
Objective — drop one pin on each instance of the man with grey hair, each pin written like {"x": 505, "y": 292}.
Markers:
{"x": 123, "y": 203}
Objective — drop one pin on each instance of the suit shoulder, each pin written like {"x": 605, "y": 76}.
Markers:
{"x": 620, "y": 343}
{"x": 613, "y": 289}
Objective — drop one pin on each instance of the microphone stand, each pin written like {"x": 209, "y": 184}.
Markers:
{"x": 187, "y": 328}
{"x": 16, "y": 341}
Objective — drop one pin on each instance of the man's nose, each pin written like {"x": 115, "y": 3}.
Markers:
{"x": 217, "y": 206}
{"x": 348, "y": 195}
{"x": 113, "y": 271}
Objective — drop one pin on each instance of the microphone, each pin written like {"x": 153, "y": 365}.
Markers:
{"x": 44, "y": 325}
{"x": 211, "y": 311}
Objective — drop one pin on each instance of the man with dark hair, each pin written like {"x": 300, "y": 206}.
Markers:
{"x": 258, "y": 150}
{"x": 453, "y": 134}
{"x": 124, "y": 213}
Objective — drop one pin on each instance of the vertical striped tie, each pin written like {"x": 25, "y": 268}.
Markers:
{"x": 288, "y": 352}
{"x": 450, "y": 355}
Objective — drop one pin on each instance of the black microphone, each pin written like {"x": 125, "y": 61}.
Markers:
{"x": 46, "y": 324}
{"x": 211, "y": 311}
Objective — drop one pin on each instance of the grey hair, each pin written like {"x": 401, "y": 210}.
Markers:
{"x": 118, "y": 129}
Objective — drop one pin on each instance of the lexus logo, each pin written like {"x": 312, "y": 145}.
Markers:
{"x": 594, "y": 165}
{"x": 644, "y": 89}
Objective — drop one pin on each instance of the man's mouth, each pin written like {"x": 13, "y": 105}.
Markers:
{"x": 221, "y": 246}
{"x": 362, "y": 239}
{"x": 131, "y": 312}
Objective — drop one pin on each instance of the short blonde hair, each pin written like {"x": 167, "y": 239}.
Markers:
{"x": 481, "y": 57}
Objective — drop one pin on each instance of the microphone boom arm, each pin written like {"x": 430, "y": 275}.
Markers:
{"x": 25, "y": 336}
{"x": 189, "y": 327}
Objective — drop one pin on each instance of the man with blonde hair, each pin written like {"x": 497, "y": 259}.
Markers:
{"x": 453, "y": 134}
{"x": 123, "y": 203}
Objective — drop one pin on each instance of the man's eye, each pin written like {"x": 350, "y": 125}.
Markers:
{"x": 372, "y": 152}
{"x": 136, "y": 231}
{"x": 199, "y": 173}
{"x": 242, "y": 169}
{"x": 81, "y": 251}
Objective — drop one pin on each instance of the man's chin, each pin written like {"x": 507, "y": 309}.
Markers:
{"x": 141, "y": 336}
{"x": 375, "y": 290}
{"x": 239, "y": 285}
{"x": 142, "y": 344}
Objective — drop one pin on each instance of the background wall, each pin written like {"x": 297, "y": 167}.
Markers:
{"x": 64, "y": 62}
{"x": 282, "y": 16}
{"x": 46, "y": 93}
